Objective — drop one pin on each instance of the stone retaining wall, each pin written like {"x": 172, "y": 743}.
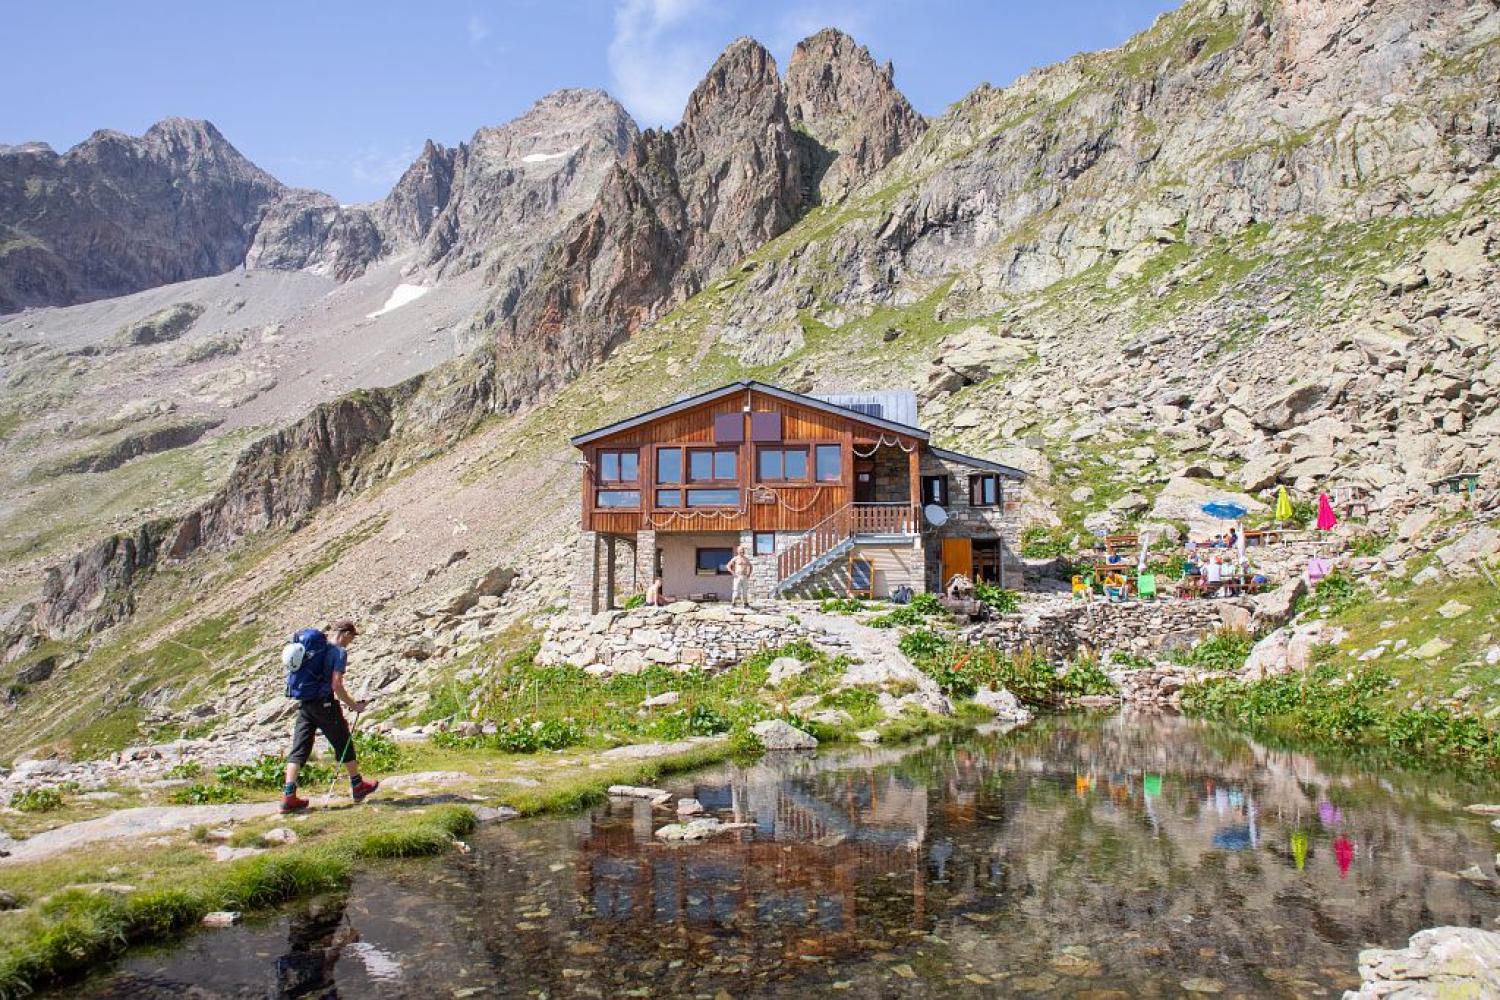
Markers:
{"x": 1060, "y": 628}
{"x": 681, "y": 636}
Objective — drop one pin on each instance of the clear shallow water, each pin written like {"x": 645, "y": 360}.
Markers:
{"x": 1099, "y": 857}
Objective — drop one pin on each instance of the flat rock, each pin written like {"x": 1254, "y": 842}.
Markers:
{"x": 226, "y": 853}
{"x": 784, "y": 667}
{"x": 689, "y": 807}
{"x": 699, "y": 829}
{"x": 280, "y": 835}
{"x": 662, "y": 700}
{"x": 653, "y": 795}
{"x": 221, "y": 918}
{"x": 1454, "y": 609}
{"x": 1005, "y": 705}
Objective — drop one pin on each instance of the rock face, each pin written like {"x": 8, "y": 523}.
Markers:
{"x": 684, "y": 205}
{"x": 1438, "y": 962}
{"x": 850, "y": 107}
{"x": 117, "y": 213}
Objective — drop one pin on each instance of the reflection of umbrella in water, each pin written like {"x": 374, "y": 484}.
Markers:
{"x": 1152, "y": 784}
{"x": 1234, "y": 838}
{"x": 1299, "y": 849}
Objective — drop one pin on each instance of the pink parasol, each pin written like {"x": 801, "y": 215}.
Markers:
{"x": 1326, "y": 518}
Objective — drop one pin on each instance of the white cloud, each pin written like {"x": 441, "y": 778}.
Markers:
{"x": 374, "y": 167}
{"x": 809, "y": 19}
{"x": 478, "y": 28}
{"x": 653, "y": 62}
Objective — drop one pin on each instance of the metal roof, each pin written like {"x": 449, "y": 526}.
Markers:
{"x": 897, "y": 405}
{"x": 911, "y": 430}
{"x": 978, "y": 463}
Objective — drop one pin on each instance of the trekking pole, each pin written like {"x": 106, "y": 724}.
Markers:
{"x": 343, "y": 755}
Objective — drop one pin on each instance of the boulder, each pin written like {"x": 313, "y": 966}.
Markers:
{"x": 784, "y": 667}
{"x": 775, "y": 734}
{"x": 221, "y": 918}
{"x": 1438, "y": 962}
{"x": 1006, "y": 706}
{"x": 1275, "y": 606}
{"x": 1478, "y": 543}
{"x": 662, "y": 700}
{"x": 1183, "y": 499}
{"x": 35, "y": 673}
{"x": 279, "y": 835}
{"x": 1283, "y": 411}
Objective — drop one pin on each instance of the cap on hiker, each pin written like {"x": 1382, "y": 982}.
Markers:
{"x": 345, "y": 626}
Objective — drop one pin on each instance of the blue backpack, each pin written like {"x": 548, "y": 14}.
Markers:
{"x": 308, "y": 659}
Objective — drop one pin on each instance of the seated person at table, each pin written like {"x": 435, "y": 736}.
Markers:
{"x": 1113, "y": 558}
{"x": 1114, "y": 587}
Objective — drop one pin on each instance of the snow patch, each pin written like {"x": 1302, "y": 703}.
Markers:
{"x": 543, "y": 157}
{"x": 403, "y": 295}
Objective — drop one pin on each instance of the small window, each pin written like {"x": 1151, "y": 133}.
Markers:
{"x": 619, "y": 498}
{"x": 669, "y": 466}
{"x": 619, "y": 466}
{"x": 713, "y": 498}
{"x": 984, "y": 490}
{"x": 765, "y": 543}
{"x": 669, "y": 498}
{"x": 716, "y": 466}
{"x": 935, "y": 490}
{"x": 783, "y": 465}
{"x": 713, "y": 562}
{"x": 830, "y": 462}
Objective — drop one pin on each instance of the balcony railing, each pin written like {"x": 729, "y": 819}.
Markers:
{"x": 885, "y": 519}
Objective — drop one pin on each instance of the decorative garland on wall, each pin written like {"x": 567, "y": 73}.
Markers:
{"x": 741, "y": 511}
{"x": 884, "y": 442}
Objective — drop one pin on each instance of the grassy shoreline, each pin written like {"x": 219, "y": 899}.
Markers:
{"x": 80, "y": 915}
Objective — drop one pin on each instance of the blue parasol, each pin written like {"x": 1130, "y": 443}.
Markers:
{"x": 1225, "y": 510}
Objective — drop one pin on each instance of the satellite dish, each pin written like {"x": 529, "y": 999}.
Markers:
{"x": 935, "y": 515}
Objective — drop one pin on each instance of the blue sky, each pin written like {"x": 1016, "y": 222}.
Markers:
{"x": 339, "y": 95}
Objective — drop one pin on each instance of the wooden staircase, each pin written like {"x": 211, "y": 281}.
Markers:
{"x": 837, "y": 533}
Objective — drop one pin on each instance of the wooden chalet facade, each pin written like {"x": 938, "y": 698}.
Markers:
{"x": 825, "y": 491}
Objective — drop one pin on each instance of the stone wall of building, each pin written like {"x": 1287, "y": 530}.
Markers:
{"x": 968, "y": 521}
{"x": 1061, "y": 628}
{"x": 681, "y": 636}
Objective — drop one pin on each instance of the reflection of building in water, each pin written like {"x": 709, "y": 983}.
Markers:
{"x": 818, "y": 843}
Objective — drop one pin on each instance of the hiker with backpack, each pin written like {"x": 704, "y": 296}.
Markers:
{"x": 315, "y": 678}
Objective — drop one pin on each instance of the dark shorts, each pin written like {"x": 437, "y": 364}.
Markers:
{"x": 321, "y": 716}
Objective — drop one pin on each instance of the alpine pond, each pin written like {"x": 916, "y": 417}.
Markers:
{"x": 1092, "y": 856}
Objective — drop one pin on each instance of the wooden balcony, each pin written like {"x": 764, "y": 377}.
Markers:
{"x": 885, "y": 519}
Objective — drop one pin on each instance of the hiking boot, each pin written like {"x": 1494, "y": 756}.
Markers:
{"x": 364, "y": 790}
{"x": 291, "y": 803}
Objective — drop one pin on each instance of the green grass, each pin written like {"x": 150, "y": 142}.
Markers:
{"x": 67, "y": 932}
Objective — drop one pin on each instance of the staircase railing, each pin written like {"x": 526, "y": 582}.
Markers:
{"x": 814, "y": 542}
{"x": 848, "y": 520}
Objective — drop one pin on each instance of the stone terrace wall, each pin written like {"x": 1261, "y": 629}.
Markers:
{"x": 681, "y": 635}
{"x": 1062, "y": 627}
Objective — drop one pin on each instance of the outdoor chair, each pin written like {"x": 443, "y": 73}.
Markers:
{"x": 1145, "y": 586}
{"x": 1080, "y": 587}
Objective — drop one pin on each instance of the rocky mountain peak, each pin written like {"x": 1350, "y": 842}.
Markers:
{"x": 839, "y": 96}
{"x": 741, "y": 82}
{"x": 409, "y": 210}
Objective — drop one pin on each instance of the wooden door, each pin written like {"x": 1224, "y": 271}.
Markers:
{"x": 958, "y": 557}
{"x": 864, "y": 481}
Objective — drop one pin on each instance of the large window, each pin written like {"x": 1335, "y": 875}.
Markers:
{"x": 935, "y": 490}
{"x": 619, "y": 498}
{"x": 713, "y": 498}
{"x": 669, "y": 466}
{"x": 713, "y": 562}
{"x": 782, "y": 465}
{"x": 830, "y": 463}
{"x": 619, "y": 466}
{"x": 716, "y": 466}
{"x": 984, "y": 490}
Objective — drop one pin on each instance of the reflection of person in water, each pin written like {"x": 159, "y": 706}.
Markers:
{"x": 315, "y": 939}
